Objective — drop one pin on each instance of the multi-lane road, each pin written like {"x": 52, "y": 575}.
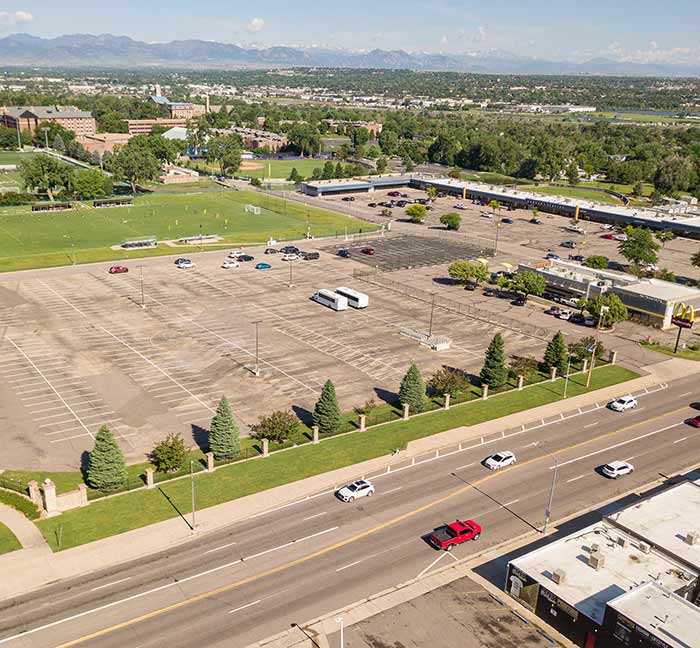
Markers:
{"x": 305, "y": 559}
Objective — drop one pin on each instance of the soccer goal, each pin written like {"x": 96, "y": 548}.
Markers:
{"x": 253, "y": 209}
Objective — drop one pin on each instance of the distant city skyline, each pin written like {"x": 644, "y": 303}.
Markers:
{"x": 639, "y": 31}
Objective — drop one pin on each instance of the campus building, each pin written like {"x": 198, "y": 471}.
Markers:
{"x": 334, "y": 125}
{"x": 178, "y": 109}
{"x": 103, "y": 142}
{"x": 31, "y": 118}
{"x": 257, "y": 139}
{"x": 649, "y": 301}
{"x": 628, "y": 581}
{"x": 145, "y": 126}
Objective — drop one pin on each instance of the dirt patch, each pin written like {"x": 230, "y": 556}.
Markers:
{"x": 246, "y": 165}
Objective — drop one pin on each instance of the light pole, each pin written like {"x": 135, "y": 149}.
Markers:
{"x": 192, "y": 483}
{"x": 46, "y": 135}
{"x": 19, "y": 136}
{"x": 143, "y": 299}
{"x": 548, "y": 510}
{"x": 498, "y": 229}
{"x": 568, "y": 370}
{"x": 256, "y": 371}
{"x": 432, "y": 311}
{"x": 342, "y": 634}
{"x": 603, "y": 310}
{"x": 290, "y": 273}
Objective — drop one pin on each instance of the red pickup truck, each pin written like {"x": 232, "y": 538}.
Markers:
{"x": 459, "y": 531}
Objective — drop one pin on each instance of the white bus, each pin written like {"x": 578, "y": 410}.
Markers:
{"x": 355, "y": 299}
{"x": 330, "y": 299}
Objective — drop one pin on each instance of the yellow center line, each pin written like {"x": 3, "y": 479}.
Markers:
{"x": 352, "y": 539}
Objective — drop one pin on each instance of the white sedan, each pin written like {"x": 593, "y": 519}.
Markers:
{"x": 359, "y": 488}
{"x": 623, "y": 403}
{"x": 616, "y": 469}
{"x": 230, "y": 263}
{"x": 500, "y": 460}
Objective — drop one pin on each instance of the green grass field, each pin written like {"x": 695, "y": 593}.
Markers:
{"x": 32, "y": 240}
{"x": 115, "y": 515}
{"x": 13, "y": 157}
{"x": 277, "y": 169}
{"x": 582, "y": 194}
{"x": 8, "y": 542}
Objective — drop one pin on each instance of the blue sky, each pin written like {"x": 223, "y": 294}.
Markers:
{"x": 639, "y": 30}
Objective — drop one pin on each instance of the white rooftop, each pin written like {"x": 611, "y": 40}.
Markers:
{"x": 587, "y": 589}
{"x": 665, "y": 520}
{"x": 661, "y": 613}
{"x": 663, "y": 289}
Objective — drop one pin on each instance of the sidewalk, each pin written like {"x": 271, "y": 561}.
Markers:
{"x": 26, "y": 570}
{"x": 24, "y": 530}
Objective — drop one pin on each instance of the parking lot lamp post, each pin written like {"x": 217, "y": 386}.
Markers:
{"x": 432, "y": 311}
{"x": 46, "y": 130}
{"x": 594, "y": 346}
{"x": 143, "y": 299}
{"x": 192, "y": 489}
{"x": 548, "y": 510}
{"x": 498, "y": 229}
{"x": 291, "y": 263}
{"x": 256, "y": 372}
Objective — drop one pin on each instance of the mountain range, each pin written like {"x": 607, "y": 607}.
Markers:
{"x": 107, "y": 50}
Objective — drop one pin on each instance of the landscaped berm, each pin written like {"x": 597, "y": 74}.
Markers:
{"x": 34, "y": 240}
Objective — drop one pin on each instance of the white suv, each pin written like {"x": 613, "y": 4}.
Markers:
{"x": 290, "y": 257}
{"x": 623, "y": 403}
{"x": 616, "y": 469}
{"x": 359, "y": 488}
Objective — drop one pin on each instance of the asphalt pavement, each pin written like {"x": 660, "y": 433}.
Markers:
{"x": 288, "y": 565}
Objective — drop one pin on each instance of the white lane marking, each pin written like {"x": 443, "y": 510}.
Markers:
{"x": 357, "y": 562}
{"x": 685, "y": 394}
{"x": 630, "y": 458}
{"x": 289, "y": 544}
{"x": 243, "y": 607}
{"x": 294, "y": 503}
{"x": 392, "y": 490}
{"x": 121, "y": 580}
{"x": 590, "y": 425}
{"x": 530, "y": 445}
{"x": 311, "y": 517}
{"x": 617, "y": 445}
{"x": 679, "y": 440}
{"x": 469, "y": 465}
{"x": 226, "y": 546}
{"x": 515, "y": 501}
{"x": 432, "y": 564}
{"x": 573, "y": 479}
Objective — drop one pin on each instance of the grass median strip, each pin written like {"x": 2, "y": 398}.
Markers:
{"x": 8, "y": 542}
{"x": 104, "y": 518}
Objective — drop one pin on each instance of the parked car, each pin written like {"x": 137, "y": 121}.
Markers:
{"x": 372, "y": 204}
{"x": 623, "y": 403}
{"x": 290, "y": 257}
{"x": 262, "y": 266}
{"x": 489, "y": 292}
{"x": 536, "y": 221}
{"x": 577, "y": 257}
{"x": 440, "y": 194}
{"x": 519, "y": 301}
{"x": 589, "y": 321}
{"x": 609, "y": 237}
{"x": 607, "y": 226}
{"x": 344, "y": 252}
{"x": 230, "y": 263}
{"x": 401, "y": 203}
{"x": 565, "y": 315}
{"x": 470, "y": 285}
{"x": 246, "y": 257}
{"x": 621, "y": 237}
{"x": 500, "y": 460}
{"x": 460, "y": 206}
{"x": 694, "y": 421}
{"x": 568, "y": 244}
{"x": 270, "y": 251}
{"x": 118, "y": 269}
{"x": 449, "y": 536}
{"x": 309, "y": 256}
{"x": 553, "y": 256}
{"x": 368, "y": 250}
{"x": 553, "y": 310}
{"x": 616, "y": 469}
{"x": 359, "y": 488}
{"x": 349, "y": 198}
{"x": 507, "y": 221}
{"x": 234, "y": 254}
{"x": 289, "y": 249}
{"x": 575, "y": 228}
{"x": 184, "y": 263}
{"x": 577, "y": 318}
{"x": 394, "y": 194}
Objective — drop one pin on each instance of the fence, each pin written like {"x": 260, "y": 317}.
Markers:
{"x": 499, "y": 321}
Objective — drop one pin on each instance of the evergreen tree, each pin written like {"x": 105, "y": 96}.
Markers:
{"x": 224, "y": 437}
{"x": 412, "y": 389}
{"x": 58, "y": 143}
{"x": 494, "y": 372}
{"x": 555, "y": 354}
{"x": 106, "y": 467}
{"x": 327, "y": 411}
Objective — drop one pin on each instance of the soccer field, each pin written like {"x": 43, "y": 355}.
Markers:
{"x": 31, "y": 240}
{"x": 279, "y": 168}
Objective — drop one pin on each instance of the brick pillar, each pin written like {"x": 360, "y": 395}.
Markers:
{"x": 314, "y": 431}
{"x": 363, "y": 422}
{"x": 82, "y": 489}
{"x": 613, "y": 357}
{"x": 50, "y": 501}
{"x": 210, "y": 462}
{"x": 584, "y": 366}
{"x": 149, "y": 478}
{"x": 35, "y": 493}
{"x": 406, "y": 410}
{"x": 553, "y": 374}
{"x": 521, "y": 382}
{"x": 484, "y": 392}
{"x": 447, "y": 402}
{"x": 265, "y": 447}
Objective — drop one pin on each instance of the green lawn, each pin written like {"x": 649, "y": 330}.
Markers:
{"x": 8, "y": 542}
{"x": 269, "y": 168}
{"x": 647, "y": 187}
{"x": 31, "y": 240}
{"x": 13, "y": 157}
{"x": 667, "y": 349}
{"x": 582, "y": 194}
{"x": 111, "y": 516}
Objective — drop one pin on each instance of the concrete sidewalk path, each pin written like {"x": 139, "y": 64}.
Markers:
{"x": 23, "y": 573}
{"x": 24, "y": 530}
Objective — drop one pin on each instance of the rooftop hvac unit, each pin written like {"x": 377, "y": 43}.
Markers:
{"x": 692, "y": 538}
{"x": 645, "y": 547}
{"x": 621, "y": 541}
{"x": 595, "y": 548}
{"x": 559, "y": 576}
{"x": 596, "y": 560}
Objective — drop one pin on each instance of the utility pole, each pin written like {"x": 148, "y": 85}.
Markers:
{"x": 192, "y": 482}
{"x": 256, "y": 371}
{"x": 548, "y": 510}
{"x": 432, "y": 311}
{"x": 603, "y": 310}
{"x": 143, "y": 299}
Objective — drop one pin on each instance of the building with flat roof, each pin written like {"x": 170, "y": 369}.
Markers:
{"x": 257, "y": 139}
{"x": 590, "y": 582}
{"x": 81, "y": 122}
{"x": 649, "y": 301}
{"x": 178, "y": 109}
{"x": 103, "y": 142}
{"x": 145, "y": 126}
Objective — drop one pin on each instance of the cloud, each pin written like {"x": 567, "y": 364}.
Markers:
{"x": 655, "y": 54}
{"x": 256, "y": 25}
{"x": 443, "y": 40}
{"x": 480, "y": 34}
{"x": 9, "y": 18}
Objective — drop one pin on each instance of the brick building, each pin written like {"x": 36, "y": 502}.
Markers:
{"x": 145, "y": 126}
{"x": 103, "y": 142}
{"x": 31, "y": 118}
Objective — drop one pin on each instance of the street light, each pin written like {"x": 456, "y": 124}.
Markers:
{"x": 548, "y": 510}
{"x": 143, "y": 299}
{"x": 256, "y": 371}
{"x": 568, "y": 370}
{"x": 46, "y": 135}
{"x": 594, "y": 346}
{"x": 432, "y": 311}
{"x": 290, "y": 272}
{"x": 342, "y": 637}
{"x": 192, "y": 484}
